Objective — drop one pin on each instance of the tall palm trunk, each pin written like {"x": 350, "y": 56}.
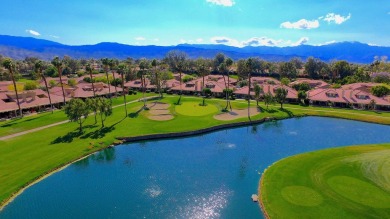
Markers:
{"x": 228, "y": 84}
{"x": 124, "y": 93}
{"x": 226, "y": 92}
{"x": 62, "y": 85}
{"x": 181, "y": 89}
{"x": 113, "y": 79}
{"x": 48, "y": 92}
{"x": 249, "y": 96}
{"x": 108, "y": 82}
{"x": 143, "y": 89}
{"x": 203, "y": 92}
{"x": 94, "y": 94}
{"x": 16, "y": 92}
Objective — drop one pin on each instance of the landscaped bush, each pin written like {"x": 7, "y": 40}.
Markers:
{"x": 302, "y": 86}
{"x": 72, "y": 82}
{"x": 380, "y": 91}
{"x": 30, "y": 85}
{"x": 87, "y": 79}
{"x": 187, "y": 78}
{"x": 116, "y": 82}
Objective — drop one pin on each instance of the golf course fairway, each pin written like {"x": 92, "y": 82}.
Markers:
{"x": 347, "y": 182}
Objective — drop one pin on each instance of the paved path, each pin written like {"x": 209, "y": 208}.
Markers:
{"x": 58, "y": 123}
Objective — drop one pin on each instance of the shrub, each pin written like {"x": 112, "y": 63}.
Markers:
{"x": 87, "y": 79}
{"x": 380, "y": 91}
{"x": 116, "y": 82}
{"x": 72, "y": 82}
{"x": 187, "y": 78}
{"x": 30, "y": 85}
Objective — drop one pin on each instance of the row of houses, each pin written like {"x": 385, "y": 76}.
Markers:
{"x": 353, "y": 95}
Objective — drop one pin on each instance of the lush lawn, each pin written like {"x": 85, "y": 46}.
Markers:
{"x": 25, "y": 158}
{"x": 348, "y": 182}
{"x": 42, "y": 119}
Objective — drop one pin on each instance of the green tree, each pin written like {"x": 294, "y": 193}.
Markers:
{"x": 10, "y": 66}
{"x": 30, "y": 85}
{"x": 77, "y": 111}
{"x": 341, "y": 69}
{"x": 302, "y": 96}
{"x": 285, "y": 81}
{"x": 268, "y": 99}
{"x": 58, "y": 63}
{"x": 105, "y": 109}
{"x": 39, "y": 69}
{"x": 281, "y": 95}
{"x": 112, "y": 63}
{"x": 287, "y": 69}
{"x": 258, "y": 91}
{"x": 93, "y": 105}
{"x": 202, "y": 69}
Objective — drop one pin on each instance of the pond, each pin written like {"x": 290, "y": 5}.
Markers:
{"x": 205, "y": 176}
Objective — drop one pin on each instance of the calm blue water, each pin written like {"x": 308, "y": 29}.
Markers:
{"x": 207, "y": 176}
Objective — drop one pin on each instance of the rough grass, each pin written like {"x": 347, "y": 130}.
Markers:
{"x": 332, "y": 183}
{"x": 42, "y": 119}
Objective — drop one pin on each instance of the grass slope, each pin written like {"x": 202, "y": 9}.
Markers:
{"x": 347, "y": 182}
{"x": 25, "y": 158}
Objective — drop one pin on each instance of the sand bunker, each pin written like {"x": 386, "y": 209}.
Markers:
{"x": 159, "y": 111}
{"x": 236, "y": 114}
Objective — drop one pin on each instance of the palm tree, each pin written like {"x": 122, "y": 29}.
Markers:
{"x": 38, "y": 67}
{"x": 229, "y": 63}
{"x": 89, "y": 69}
{"x": 58, "y": 63}
{"x": 122, "y": 68}
{"x": 144, "y": 66}
{"x": 258, "y": 91}
{"x": 201, "y": 68}
{"x": 177, "y": 60}
{"x": 9, "y": 64}
{"x": 249, "y": 68}
{"x": 105, "y": 62}
{"x": 112, "y": 64}
{"x": 156, "y": 75}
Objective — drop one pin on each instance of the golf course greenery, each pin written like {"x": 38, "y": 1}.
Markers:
{"x": 347, "y": 182}
{"x": 26, "y": 158}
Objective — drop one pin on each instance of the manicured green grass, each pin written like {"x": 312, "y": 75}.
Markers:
{"x": 347, "y": 182}
{"x": 194, "y": 109}
{"x": 25, "y": 158}
{"x": 30, "y": 122}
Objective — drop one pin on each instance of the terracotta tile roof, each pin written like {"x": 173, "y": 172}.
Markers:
{"x": 268, "y": 88}
{"x": 345, "y": 96}
{"x": 27, "y": 99}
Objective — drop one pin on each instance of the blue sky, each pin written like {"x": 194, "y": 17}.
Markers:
{"x": 171, "y": 22}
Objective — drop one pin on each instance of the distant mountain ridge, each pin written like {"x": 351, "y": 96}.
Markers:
{"x": 21, "y": 47}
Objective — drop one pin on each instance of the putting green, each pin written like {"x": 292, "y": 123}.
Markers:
{"x": 193, "y": 109}
{"x": 301, "y": 195}
{"x": 346, "y": 182}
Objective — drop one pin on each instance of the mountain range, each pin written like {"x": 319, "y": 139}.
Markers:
{"x": 22, "y": 47}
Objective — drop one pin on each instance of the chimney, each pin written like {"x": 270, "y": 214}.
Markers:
{"x": 343, "y": 93}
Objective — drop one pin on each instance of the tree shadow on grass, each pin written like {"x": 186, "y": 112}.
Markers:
{"x": 100, "y": 133}
{"x": 68, "y": 138}
{"x": 269, "y": 110}
{"x": 135, "y": 114}
{"x": 288, "y": 112}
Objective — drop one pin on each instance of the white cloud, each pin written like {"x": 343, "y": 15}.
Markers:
{"x": 301, "y": 24}
{"x": 301, "y": 41}
{"x": 199, "y": 40}
{"x": 140, "y": 38}
{"x": 55, "y": 37}
{"x": 326, "y": 43}
{"x": 33, "y": 32}
{"x": 226, "y": 3}
{"x": 336, "y": 18}
{"x": 261, "y": 41}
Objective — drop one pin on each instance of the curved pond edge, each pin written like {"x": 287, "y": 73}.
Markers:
{"x": 122, "y": 140}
